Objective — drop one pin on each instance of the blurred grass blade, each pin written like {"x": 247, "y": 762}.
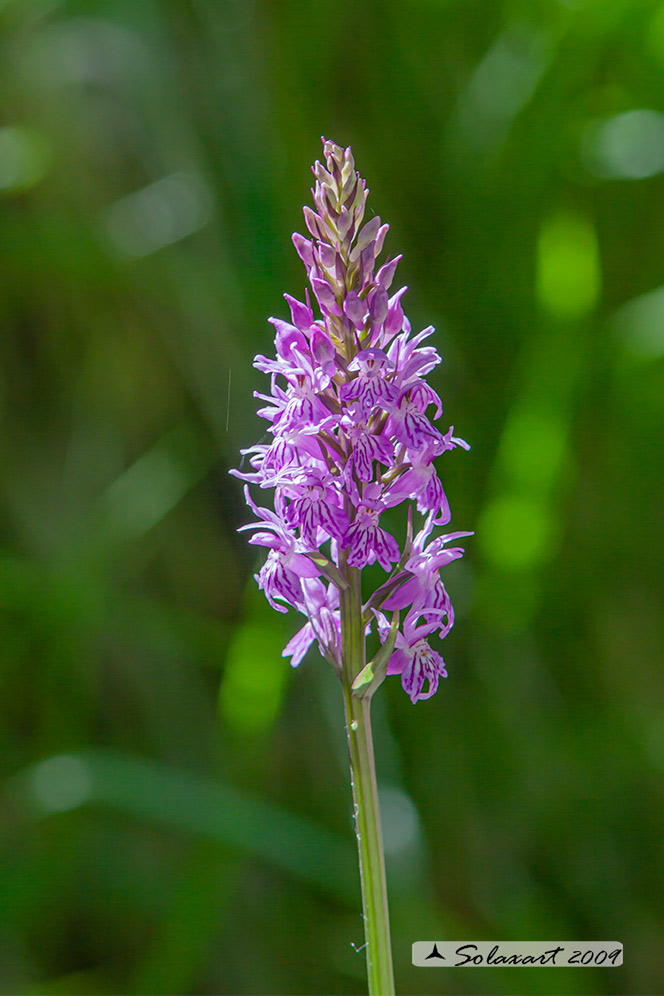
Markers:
{"x": 196, "y": 805}
{"x": 154, "y": 484}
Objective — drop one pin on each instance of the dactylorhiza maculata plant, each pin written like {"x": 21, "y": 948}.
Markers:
{"x": 351, "y": 417}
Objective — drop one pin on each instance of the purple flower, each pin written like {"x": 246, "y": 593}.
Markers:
{"x": 366, "y": 446}
{"x": 424, "y": 590}
{"x": 316, "y": 506}
{"x": 416, "y": 662}
{"x": 285, "y": 565}
{"x": 350, "y": 415}
{"x": 367, "y": 542}
{"x": 321, "y": 606}
{"x": 370, "y": 387}
{"x": 410, "y": 426}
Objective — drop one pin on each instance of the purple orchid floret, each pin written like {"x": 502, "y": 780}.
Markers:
{"x": 351, "y": 417}
{"x": 417, "y": 662}
{"x": 322, "y": 611}
{"x": 366, "y": 541}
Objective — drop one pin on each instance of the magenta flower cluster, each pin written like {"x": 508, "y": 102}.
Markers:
{"x": 351, "y": 417}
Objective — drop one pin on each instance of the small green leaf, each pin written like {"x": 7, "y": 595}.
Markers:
{"x": 330, "y": 570}
{"x": 373, "y": 674}
{"x": 384, "y": 592}
{"x": 405, "y": 556}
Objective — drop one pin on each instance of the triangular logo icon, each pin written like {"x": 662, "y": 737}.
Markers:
{"x": 435, "y": 954}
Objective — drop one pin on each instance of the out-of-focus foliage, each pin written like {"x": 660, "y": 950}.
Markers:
{"x": 160, "y": 836}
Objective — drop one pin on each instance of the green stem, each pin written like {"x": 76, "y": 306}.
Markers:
{"x": 365, "y": 796}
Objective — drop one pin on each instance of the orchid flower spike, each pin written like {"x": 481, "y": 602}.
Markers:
{"x": 351, "y": 418}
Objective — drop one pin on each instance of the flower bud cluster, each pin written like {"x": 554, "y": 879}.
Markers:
{"x": 352, "y": 423}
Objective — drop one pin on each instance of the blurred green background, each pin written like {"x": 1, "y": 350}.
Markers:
{"x": 176, "y": 814}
